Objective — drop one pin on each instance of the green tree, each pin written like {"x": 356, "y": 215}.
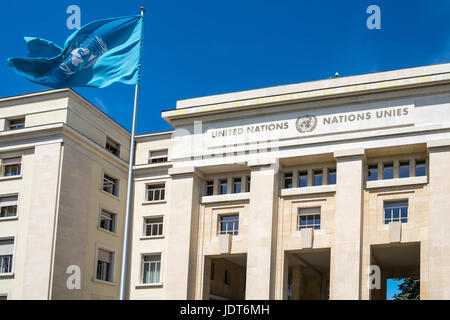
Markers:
{"x": 409, "y": 289}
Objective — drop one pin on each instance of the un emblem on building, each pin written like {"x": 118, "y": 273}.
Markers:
{"x": 306, "y": 124}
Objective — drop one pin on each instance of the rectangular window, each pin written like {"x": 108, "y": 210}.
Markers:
{"x": 248, "y": 184}
{"x": 318, "y": 177}
{"x": 237, "y": 185}
{"x": 287, "y": 180}
{"x": 8, "y": 206}
{"x": 309, "y": 218}
{"x": 108, "y": 221}
{"x": 303, "y": 179}
{"x": 388, "y": 170}
{"x": 331, "y": 176}
{"x": 11, "y": 166}
{"x": 209, "y": 188}
{"x": 113, "y": 147}
{"x": 421, "y": 168}
{"x": 226, "y": 278}
{"x": 15, "y": 124}
{"x": 223, "y": 186}
{"x": 156, "y": 192}
{"x": 3, "y": 297}
{"x": 6, "y": 255}
{"x": 153, "y": 227}
{"x": 110, "y": 185}
{"x": 158, "y": 156}
{"x": 104, "y": 265}
{"x": 372, "y": 173}
{"x": 151, "y": 268}
{"x": 229, "y": 225}
{"x": 396, "y": 211}
{"x": 404, "y": 169}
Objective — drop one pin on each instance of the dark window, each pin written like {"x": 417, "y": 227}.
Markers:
{"x": 158, "y": 156}
{"x": 237, "y": 185}
{"x": 229, "y": 225}
{"x": 8, "y": 206}
{"x": 303, "y": 179}
{"x": 372, "y": 173}
{"x": 226, "y": 279}
{"x": 331, "y": 176}
{"x": 421, "y": 168}
{"x": 153, "y": 227}
{"x": 223, "y": 186}
{"x": 104, "y": 261}
{"x": 404, "y": 169}
{"x": 318, "y": 177}
{"x": 15, "y": 124}
{"x": 209, "y": 188}
{"x": 248, "y": 184}
{"x": 287, "y": 180}
{"x": 110, "y": 185}
{"x": 388, "y": 170}
{"x": 113, "y": 147}
{"x": 309, "y": 218}
{"x": 213, "y": 271}
{"x": 11, "y": 166}
{"x": 108, "y": 221}
{"x": 156, "y": 192}
{"x": 396, "y": 211}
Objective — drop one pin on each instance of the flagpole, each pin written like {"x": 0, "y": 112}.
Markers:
{"x": 127, "y": 229}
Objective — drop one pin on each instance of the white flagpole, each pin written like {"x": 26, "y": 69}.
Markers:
{"x": 127, "y": 229}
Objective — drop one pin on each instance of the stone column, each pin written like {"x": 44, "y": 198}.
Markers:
{"x": 346, "y": 254}
{"x": 181, "y": 257}
{"x": 439, "y": 221}
{"x": 261, "y": 251}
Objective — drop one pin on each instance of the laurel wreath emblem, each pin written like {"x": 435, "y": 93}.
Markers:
{"x": 306, "y": 123}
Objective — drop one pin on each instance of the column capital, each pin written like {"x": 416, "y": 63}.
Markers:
{"x": 436, "y": 145}
{"x": 357, "y": 153}
{"x": 193, "y": 171}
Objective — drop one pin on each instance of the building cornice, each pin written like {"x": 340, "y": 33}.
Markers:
{"x": 317, "y": 90}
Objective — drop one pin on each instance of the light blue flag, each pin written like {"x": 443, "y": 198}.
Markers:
{"x": 98, "y": 54}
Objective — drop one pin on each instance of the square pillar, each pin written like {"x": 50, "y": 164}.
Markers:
{"x": 439, "y": 221}
{"x": 181, "y": 258}
{"x": 346, "y": 254}
{"x": 261, "y": 251}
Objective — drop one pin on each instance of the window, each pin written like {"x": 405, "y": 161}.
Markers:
{"x": 388, "y": 170}
{"x": 223, "y": 186}
{"x": 156, "y": 192}
{"x": 226, "y": 278}
{"x": 309, "y": 218}
{"x": 110, "y": 185}
{"x": 404, "y": 169}
{"x": 331, "y": 176}
{"x": 158, "y": 156}
{"x": 248, "y": 184}
{"x": 104, "y": 265}
{"x": 108, "y": 221}
{"x": 3, "y": 297}
{"x": 113, "y": 147}
{"x": 153, "y": 227}
{"x": 303, "y": 179}
{"x": 15, "y": 124}
{"x": 237, "y": 185}
{"x": 151, "y": 268}
{"x": 421, "y": 168}
{"x": 318, "y": 177}
{"x": 372, "y": 173}
{"x": 8, "y": 206}
{"x": 229, "y": 225}
{"x": 396, "y": 211}
{"x": 209, "y": 188}
{"x": 213, "y": 271}
{"x": 11, "y": 166}
{"x": 6, "y": 255}
{"x": 287, "y": 180}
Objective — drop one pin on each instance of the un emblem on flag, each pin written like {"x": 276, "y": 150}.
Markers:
{"x": 306, "y": 123}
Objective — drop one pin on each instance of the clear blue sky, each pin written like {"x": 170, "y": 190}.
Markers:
{"x": 197, "y": 48}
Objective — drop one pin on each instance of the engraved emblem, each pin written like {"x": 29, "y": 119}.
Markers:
{"x": 306, "y": 123}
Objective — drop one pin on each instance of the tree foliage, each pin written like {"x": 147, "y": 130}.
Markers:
{"x": 409, "y": 289}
